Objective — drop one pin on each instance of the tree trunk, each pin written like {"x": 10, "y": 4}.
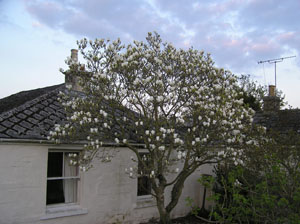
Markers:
{"x": 163, "y": 213}
{"x": 165, "y": 219}
{"x": 164, "y": 216}
{"x": 177, "y": 188}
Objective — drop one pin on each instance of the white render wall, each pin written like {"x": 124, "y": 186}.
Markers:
{"x": 106, "y": 192}
{"x": 23, "y": 173}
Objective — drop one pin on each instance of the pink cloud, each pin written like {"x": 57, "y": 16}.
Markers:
{"x": 262, "y": 47}
{"x": 226, "y": 6}
{"x": 286, "y": 36}
{"x": 37, "y": 24}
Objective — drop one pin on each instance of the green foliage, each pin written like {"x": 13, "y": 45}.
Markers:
{"x": 261, "y": 191}
{"x": 253, "y": 93}
{"x": 190, "y": 203}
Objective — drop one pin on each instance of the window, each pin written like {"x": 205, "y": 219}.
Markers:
{"x": 144, "y": 183}
{"x": 62, "y": 178}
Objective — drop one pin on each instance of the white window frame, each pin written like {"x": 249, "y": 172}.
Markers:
{"x": 144, "y": 201}
{"x": 146, "y": 196}
{"x": 57, "y": 210}
{"x": 64, "y": 152}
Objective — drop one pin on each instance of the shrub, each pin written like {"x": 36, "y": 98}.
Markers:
{"x": 265, "y": 189}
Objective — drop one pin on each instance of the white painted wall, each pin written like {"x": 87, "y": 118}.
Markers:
{"x": 106, "y": 191}
{"x": 23, "y": 173}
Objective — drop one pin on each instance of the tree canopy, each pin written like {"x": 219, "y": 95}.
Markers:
{"x": 184, "y": 111}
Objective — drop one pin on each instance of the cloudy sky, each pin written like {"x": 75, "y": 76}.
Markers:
{"x": 37, "y": 35}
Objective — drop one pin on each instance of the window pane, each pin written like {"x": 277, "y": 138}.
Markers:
{"x": 55, "y": 192}
{"x": 61, "y": 191}
{"x": 144, "y": 184}
{"x": 55, "y": 164}
{"x": 70, "y": 190}
{"x": 70, "y": 170}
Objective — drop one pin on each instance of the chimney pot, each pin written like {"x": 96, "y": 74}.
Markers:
{"x": 73, "y": 79}
{"x": 271, "y": 102}
{"x": 272, "y": 90}
{"x": 74, "y": 55}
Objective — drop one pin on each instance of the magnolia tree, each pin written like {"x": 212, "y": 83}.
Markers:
{"x": 174, "y": 103}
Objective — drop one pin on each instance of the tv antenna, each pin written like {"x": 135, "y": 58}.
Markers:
{"x": 275, "y": 61}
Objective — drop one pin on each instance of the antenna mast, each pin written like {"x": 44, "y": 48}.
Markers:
{"x": 275, "y": 61}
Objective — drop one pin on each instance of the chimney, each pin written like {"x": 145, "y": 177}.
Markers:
{"x": 74, "y": 55}
{"x": 73, "y": 79}
{"x": 271, "y": 102}
{"x": 272, "y": 90}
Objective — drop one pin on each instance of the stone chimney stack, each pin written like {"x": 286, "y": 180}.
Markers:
{"x": 271, "y": 102}
{"x": 72, "y": 79}
{"x": 74, "y": 55}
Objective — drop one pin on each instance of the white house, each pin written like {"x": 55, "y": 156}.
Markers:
{"x": 38, "y": 186}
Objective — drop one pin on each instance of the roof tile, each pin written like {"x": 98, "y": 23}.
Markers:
{"x": 7, "y": 123}
{"x": 37, "y": 116}
{"x": 2, "y": 128}
{"x": 19, "y": 129}
{"x": 3, "y": 135}
{"x": 34, "y": 118}
{"x": 26, "y": 124}
{"x": 21, "y": 115}
{"x": 45, "y": 103}
{"x": 12, "y": 133}
{"x": 14, "y": 119}
{"x": 34, "y": 109}
{"x": 28, "y": 112}
{"x": 50, "y": 110}
{"x": 39, "y": 106}
{"x": 48, "y": 121}
{"x": 54, "y": 107}
{"x": 6, "y": 115}
{"x": 44, "y": 113}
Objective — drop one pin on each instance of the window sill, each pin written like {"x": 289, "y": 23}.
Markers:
{"x": 145, "y": 201}
{"x": 57, "y": 211}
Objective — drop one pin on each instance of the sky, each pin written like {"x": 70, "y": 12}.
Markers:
{"x": 36, "y": 36}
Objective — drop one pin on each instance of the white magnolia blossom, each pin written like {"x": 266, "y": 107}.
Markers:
{"x": 83, "y": 168}
{"x": 236, "y": 132}
{"x": 160, "y": 98}
{"x": 162, "y": 147}
{"x": 179, "y": 156}
{"x": 174, "y": 104}
{"x": 178, "y": 141}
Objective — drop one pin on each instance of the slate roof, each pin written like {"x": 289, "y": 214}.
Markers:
{"x": 31, "y": 114}
{"x": 35, "y": 114}
{"x": 281, "y": 120}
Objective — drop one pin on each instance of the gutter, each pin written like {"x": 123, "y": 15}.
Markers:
{"x": 48, "y": 142}
{"x": 38, "y": 141}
